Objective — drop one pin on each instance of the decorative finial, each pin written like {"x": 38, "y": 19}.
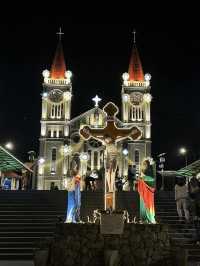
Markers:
{"x": 60, "y": 33}
{"x": 134, "y": 36}
{"x": 96, "y": 99}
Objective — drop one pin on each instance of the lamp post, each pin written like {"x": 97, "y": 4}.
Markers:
{"x": 183, "y": 152}
{"x": 40, "y": 182}
{"x": 125, "y": 166}
{"x": 161, "y": 166}
{"x": 67, "y": 150}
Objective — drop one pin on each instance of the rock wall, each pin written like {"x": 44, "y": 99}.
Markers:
{"x": 82, "y": 244}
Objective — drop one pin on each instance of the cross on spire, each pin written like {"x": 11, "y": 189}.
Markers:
{"x": 134, "y": 36}
{"x": 96, "y": 99}
{"x": 60, "y": 33}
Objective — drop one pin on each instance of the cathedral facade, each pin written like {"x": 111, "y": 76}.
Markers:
{"x": 61, "y": 145}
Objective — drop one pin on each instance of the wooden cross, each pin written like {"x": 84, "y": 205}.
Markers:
{"x": 115, "y": 134}
{"x": 111, "y": 129}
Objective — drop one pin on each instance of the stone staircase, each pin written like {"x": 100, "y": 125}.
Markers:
{"x": 28, "y": 217}
{"x": 25, "y": 219}
{"x": 182, "y": 234}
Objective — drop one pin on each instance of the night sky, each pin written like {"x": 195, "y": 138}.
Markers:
{"x": 98, "y": 54}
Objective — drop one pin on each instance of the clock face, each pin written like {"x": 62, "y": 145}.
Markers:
{"x": 56, "y": 95}
{"x": 136, "y": 98}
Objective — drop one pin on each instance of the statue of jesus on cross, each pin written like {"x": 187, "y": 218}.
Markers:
{"x": 109, "y": 136}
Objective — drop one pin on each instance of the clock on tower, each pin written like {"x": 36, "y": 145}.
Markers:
{"x": 56, "y": 95}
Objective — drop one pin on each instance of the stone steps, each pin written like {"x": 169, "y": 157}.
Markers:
{"x": 17, "y": 244}
{"x": 25, "y": 219}
{"x": 182, "y": 234}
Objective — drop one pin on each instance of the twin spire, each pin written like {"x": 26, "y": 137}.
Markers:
{"x": 135, "y": 69}
{"x": 58, "y": 67}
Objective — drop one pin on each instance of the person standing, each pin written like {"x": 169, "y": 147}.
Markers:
{"x": 131, "y": 176}
{"x": 181, "y": 198}
{"x": 194, "y": 193}
{"x": 93, "y": 179}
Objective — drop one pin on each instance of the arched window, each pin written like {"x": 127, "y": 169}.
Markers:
{"x": 62, "y": 109}
{"x": 136, "y": 113}
{"x": 53, "y": 110}
{"x": 56, "y": 110}
{"x": 95, "y": 159}
{"x": 53, "y": 161}
{"x": 53, "y": 154}
{"x": 137, "y": 156}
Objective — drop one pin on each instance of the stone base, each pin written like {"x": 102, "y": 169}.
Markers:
{"x": 82, "y": 244}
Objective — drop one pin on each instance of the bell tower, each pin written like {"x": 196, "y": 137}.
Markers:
{"x": 56, "y": 111}
{"x": 136, "y": 100}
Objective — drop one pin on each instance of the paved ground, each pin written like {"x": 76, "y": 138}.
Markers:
{"x": 16, "y": 263}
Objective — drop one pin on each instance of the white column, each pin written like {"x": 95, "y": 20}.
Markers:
{"x": 66, "y": 131}
{"x": 67, "y": 109}
{"x": 92, "y": 160}
{"x": 40, "y": 181}
{"x": 125, "y": 111}
{"x": 148, "y": 131}
{"x": 43, "y": 129}
{"x": 44, "y": 108}
{"x": 98, "y": 160}
{"x": 147, "y": 112}
{"x": 65, "y": 165}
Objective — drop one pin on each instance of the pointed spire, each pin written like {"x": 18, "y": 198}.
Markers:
{"x": 58, "y": 67}
{"x": 135, "y": 67}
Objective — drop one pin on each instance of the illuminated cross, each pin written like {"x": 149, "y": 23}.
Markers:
{"x": 134, "y": 36}
{"x": 60, "y": 33}
{"x": 96, "y": 99}
{"x": 109, "y": 136}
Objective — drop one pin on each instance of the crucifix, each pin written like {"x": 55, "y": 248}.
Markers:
{"x": 60, "y": 33}
{"x": 109, "y": 136}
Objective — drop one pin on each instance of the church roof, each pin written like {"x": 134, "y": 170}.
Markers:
{"x": 135, "y": 66}
{"x": 8, "y": 162}
{"x": 187, "y": 171}
{"x": 190, "y": 170}
{"x": 84, "y": 115}
{"x": 58, "y": 66}
{"x": 91, "y": 111}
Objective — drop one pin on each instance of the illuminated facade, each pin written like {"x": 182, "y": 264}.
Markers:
{"x": 62, "y": 148}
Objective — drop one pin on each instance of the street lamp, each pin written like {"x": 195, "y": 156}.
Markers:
{"x": 67, "y": 150}
{"x": 41, "y": 160}
{"x": 125, "y": 152}
{"x": 183, "y": 152}
{"x": 9, "y": 146}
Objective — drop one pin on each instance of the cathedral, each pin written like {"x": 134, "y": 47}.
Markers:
{"x": 61, "y": 145}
